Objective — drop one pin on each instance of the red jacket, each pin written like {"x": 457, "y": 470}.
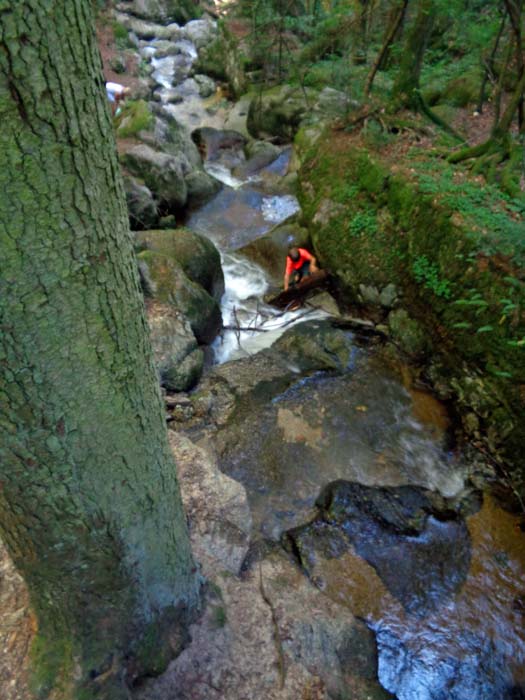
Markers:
{"x": 304, "y": 256}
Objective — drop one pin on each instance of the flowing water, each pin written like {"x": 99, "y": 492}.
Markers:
{"x": 447, "y": 604}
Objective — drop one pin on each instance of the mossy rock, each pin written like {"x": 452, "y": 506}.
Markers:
{"x": 178, "y": 359}
{"x": 161, "y": 172}
{"x": 316, "y": 345}
{"x": 171, "y": 286}
{"x": 196, "y": 254}
{"x": 270, "y": 250}
{"x": 134, "y": 118}
{"x": 279, "y": 111}
{"x": 373, "y": 224}
{"x": 408, "y": 334}
{"x": 461, "y": 91}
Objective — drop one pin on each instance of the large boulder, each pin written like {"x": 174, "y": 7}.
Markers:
{"x": 238, "y": 115}
{"x": 169, "y": 285}
{"x": 270, "y": 250}
{"x": 278, "y": 112}
{"x": 178, "y": 359}
{"x": 332, "y": 644}
{"x": 216, "y": 507}
{"x": 197, "y": 256}
{"x": 259, "y": 155}
{"x": 316, "y": 345}
{"x": 172, "y": 137}
{"x": 148, "y": 30}
{"x": 162, "y": 10}
{"x": 201, "y": 187}
{"x": 201, "y": 31}
{"x": 142, "y": 208}
{"x": 161, "y": 172}
{"x": 212, "y": 141}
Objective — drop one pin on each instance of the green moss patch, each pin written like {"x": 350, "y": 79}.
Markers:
{"x": 453, "y": 245}
{"x": 135, "y": 117}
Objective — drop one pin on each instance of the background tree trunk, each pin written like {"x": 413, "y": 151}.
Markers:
{"x": 89, "y": 502}
{"x": 391, "y": 32}
{"x": 406, "y": 87}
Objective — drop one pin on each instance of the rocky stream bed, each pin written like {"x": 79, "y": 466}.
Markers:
{"x": 348, "y": 543}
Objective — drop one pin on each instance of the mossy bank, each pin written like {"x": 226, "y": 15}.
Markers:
{"x": 451, "y": 248}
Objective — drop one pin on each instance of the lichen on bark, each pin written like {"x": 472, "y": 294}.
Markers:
{"x": 89, "y": 502}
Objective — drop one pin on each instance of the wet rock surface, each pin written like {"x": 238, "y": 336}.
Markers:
{"x": 258, "y": 639}
{"x": 418, "y": 545}
{"x": 216, "y": 507}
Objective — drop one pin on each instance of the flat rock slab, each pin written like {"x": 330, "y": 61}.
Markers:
{"x": 271, "y": 636}
{"x": 216, "y": 508}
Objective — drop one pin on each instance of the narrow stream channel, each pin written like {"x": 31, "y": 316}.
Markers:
{"x": 447, "y": 604}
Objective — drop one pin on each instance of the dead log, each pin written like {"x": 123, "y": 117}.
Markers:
{"x": 299, "y": 291}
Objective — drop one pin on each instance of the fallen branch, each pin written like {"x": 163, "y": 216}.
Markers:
{"x": 247, "y": 329}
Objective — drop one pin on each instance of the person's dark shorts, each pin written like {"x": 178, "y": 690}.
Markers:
{"x": 301, "y": 273}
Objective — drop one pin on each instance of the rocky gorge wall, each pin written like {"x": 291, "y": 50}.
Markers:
{"x": 453, "y": 309}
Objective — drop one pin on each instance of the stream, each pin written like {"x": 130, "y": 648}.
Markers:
{"x": 447, "y": 603}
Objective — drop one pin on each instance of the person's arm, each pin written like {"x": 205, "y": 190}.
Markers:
{"x": 287, "y": 273}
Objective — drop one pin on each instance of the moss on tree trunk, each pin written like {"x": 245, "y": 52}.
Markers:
{"x": 89, "y": 502}
{"x": 406, "y": 87}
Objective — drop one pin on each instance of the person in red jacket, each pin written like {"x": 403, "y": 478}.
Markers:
{"x": 299, "y": 264}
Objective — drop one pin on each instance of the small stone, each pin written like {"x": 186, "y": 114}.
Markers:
{"x": 388, "y": 296}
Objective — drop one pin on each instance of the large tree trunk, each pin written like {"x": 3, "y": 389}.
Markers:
{"x": 89, "y": 502}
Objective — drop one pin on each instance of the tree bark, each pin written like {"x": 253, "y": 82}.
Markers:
{"x": 389, "y": 37}
{"x": 89, "y": 503}
{"x": 514, "y": 10}
{"x": 489, "y": 67}
{"x": 407, "y": 81}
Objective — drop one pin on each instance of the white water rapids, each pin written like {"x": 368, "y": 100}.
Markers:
{"x": 242, "y": 306}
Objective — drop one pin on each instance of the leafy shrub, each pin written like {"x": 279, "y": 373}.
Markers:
{"x": 427, "y": 274}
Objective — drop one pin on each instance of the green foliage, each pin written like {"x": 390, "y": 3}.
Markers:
{"x": 345, "y": 192}
{"x": 51, "y": 664}
{"x": 120, "y": 32}
{"x": 494, "y": 218}
{"x": 364, "y": 223}
{"x": 427, "y": 274}
{"x": 219, "y": 616}
{"x": 121, "y": 36}
{"x": 135, "y": 117}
